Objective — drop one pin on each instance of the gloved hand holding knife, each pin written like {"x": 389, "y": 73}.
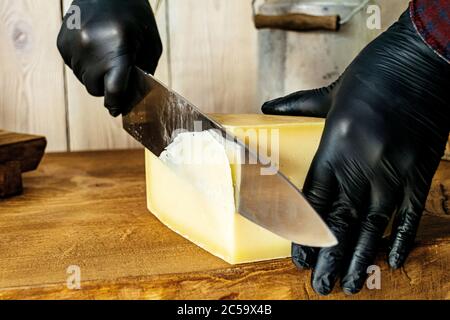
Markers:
{"x": 115, "y": 36}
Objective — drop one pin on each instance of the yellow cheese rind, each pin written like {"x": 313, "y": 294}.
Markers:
{"x": 186, "y": 209}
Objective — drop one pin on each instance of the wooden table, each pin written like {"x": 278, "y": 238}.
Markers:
{"x": 89, "y": 210}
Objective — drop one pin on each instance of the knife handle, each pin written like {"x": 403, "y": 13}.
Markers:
{"x": 297, "y": 22}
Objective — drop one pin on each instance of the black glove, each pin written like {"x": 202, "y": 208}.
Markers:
{"x": 115, "y": 36}
{"x": 388, "y": 120}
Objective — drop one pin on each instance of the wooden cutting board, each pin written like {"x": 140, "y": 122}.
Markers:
{"x": 88, "y": 210}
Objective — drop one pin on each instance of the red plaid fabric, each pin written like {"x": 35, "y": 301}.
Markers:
{"x": 432, "y": 21}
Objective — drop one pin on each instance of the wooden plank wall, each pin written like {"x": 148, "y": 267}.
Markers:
{"x": 213, "y": 56}
{"x": 213, "y": 46}
{"x": 31, "y": 71}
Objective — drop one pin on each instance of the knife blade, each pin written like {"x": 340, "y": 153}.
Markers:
{"x": 270, "y": 201}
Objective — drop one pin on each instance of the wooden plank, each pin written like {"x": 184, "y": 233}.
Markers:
{"x": 89, "y": 210}
{"x": 91, "y": 126}
{"x": 213, "y": 58}
{"x": 425, "y": 277}
{"x": 162, "y": 73}
{"x": 32, "y": 83}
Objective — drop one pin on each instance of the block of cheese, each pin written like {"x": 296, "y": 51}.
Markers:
{"x": 191, "y": 186}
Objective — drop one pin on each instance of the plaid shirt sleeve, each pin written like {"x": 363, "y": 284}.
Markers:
{"x": 432, "y": 21}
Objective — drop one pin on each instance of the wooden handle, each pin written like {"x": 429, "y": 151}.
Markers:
{"x": 297, "y": 22}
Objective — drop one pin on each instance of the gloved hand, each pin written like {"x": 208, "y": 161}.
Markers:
{"x": 115, "y": 36}
{"x": 388, "y": 119}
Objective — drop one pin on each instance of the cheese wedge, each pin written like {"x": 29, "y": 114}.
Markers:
{"x": 191, "y": 187}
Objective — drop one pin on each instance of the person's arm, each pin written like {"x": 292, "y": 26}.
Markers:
{"x": 388, "y": 120}
{"x": 115, "y": 36}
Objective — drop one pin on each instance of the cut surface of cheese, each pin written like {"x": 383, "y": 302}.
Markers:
{"x": 191, "y": 186}
{"x": 298, "y": 139}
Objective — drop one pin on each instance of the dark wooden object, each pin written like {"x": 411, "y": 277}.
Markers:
{"x": 18, "y": 153}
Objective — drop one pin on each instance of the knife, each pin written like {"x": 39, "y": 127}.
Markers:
{"x": 270, "y": 201}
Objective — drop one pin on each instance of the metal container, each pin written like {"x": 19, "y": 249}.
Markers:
{"x": 292, "y": 61}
